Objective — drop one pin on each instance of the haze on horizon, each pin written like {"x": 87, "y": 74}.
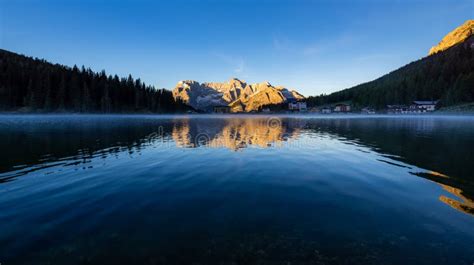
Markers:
{"x": 312, "y": 46}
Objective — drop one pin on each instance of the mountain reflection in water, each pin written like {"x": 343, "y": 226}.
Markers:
{"x": 343, "y": 185}
{"x": 235, "y": 133}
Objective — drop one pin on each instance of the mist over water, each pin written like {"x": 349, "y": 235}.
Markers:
{"x": 236, "y": 189}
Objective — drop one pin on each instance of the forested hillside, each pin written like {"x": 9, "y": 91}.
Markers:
{"x": 447, "y": 76}
{"x": 34, "y": 85}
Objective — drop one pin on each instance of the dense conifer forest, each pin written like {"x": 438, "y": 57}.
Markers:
{"x": 447, "y": 76}
{"x": 34, "y": 85}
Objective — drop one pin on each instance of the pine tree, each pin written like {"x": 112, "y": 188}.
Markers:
{"x": 61, "y": 95}
{"x": 86, "y": 99}
{"x": 106, "y": 105}
{"x": 75, "y": 91}
{"x": 45, "y": 99}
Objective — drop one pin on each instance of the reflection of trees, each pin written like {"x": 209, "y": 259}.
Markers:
{"x": 440, "y": 145}
{"x": 233, "y": 133}
{"x": 30, "y": 146}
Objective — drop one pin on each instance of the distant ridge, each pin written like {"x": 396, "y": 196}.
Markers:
{"x": 237, "y": 94}
{"x": 446, "y": 75}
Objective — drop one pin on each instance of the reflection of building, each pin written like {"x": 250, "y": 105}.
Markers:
{"x": 221, "y": 109}
{"x": 233, "y": 133}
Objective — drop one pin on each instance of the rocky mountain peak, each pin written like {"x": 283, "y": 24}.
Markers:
{"x": 235, "y": 93}
{"x": 454, "y": 37}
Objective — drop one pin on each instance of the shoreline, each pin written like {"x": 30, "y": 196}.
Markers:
{"x": 281, "y": 114}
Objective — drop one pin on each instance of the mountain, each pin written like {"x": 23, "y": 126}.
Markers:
{"x": 447, "y": 75}
{"x": 237, "y": 94}
{"x": 34, "y": 85}
{"x": 456, "y": 36}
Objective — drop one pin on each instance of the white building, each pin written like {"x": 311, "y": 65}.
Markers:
{"x": 424, "y": 106}
{"x": 297, "y": 106}
{"x": 342, "y": 108}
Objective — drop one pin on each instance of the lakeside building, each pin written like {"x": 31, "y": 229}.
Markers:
{"x": 342, "y": 107}
{"x": 397, "y": 109}
{"x": 297, "y": 106}
{"x": 424, "y": 106}
{"x": 415, "y": 108}
{"x": 326, "y": 110}
{"x": 368, "y": 110}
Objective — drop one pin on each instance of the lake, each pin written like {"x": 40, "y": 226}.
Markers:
{"x": 199, "y": 189}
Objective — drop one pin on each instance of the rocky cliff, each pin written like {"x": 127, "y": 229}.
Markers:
{"x": 458, "y": 35}
{"x": 237, "y": 94}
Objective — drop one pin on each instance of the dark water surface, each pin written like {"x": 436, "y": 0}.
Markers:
{"x": 236, "y": 190}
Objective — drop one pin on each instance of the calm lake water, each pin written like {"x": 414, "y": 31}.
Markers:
{"x": 236, "y": 190}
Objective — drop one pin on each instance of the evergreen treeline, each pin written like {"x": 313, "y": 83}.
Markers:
{"x": 29, "y": 84}
{"x": 446, "y": 76}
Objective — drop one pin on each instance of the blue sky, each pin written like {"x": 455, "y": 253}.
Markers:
{"x": 312, "y": 46}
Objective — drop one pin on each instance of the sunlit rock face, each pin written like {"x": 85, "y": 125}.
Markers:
{"x": 234, "y": 134}
{"x": 237, "y": 94}
{"x": 459, "y": 35}
{"x": 198, "y": 96}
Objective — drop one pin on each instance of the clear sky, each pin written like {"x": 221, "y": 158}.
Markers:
{"x": 312, "y": 46}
